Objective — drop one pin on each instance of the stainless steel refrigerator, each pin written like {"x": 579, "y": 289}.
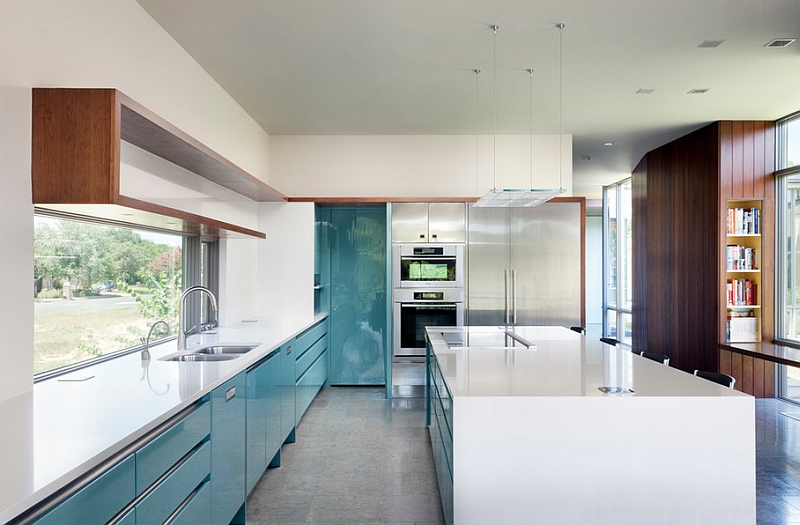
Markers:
{"x": 525, "y": 265}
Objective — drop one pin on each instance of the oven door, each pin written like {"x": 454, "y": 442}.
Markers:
{"x": 410, "y": 320}
{"x": 427, "y": 266}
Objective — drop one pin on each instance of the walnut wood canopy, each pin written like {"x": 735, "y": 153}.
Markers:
{"x": 75, "y": 163}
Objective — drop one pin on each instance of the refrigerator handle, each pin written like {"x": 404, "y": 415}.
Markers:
{"x": 505, "y": 286}
{"x": 514, "y": 295}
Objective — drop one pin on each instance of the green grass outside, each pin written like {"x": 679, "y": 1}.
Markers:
{"x": 65, "y": 337}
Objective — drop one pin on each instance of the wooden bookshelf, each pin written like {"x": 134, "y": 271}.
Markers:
{"x": 743, "y": 271}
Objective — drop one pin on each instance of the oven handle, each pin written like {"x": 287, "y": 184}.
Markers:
{"x": 431, "y": 258}
{"x": 443, "y": 306}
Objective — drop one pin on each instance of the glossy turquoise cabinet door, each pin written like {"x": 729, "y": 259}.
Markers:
{"x": 274, "y": 439}
{"x": 286, "y": 387}
{"x": 100, "y": 500}
{"x": 256, "y": 424}
{"x": 228, "y": 450}
{"x": 263, "y": 418}
{"x": 358, "y": 321}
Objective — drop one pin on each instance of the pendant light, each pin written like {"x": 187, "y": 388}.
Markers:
{"x": 526, "y": 197}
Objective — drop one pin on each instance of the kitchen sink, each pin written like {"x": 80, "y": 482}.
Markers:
{"x": 204, "y": 357}
{"x": 226, "y": 349}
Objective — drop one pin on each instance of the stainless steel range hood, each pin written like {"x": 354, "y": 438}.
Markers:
{"x": 516, "y": 198}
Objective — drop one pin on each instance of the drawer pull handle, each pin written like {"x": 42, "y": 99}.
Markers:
{"x": 230, "y": 393}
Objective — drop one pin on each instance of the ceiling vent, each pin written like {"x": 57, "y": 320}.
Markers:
{"x": 711, "y": 43}
{"x": 697, "y": 91}
{"x": 780, "y": 42}
{"x": 644, "y": 91}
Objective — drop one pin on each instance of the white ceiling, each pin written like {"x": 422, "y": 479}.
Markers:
{"x": 350, "y": 67}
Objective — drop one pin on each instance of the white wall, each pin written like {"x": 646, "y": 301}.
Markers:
{"x": 97, "y": 43}
{"x": 416, "y": 166}
{"x": 286, "y": 259}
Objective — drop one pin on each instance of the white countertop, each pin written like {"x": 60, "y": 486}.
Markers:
{"x": 63, "y": 429}
{"x": 475, "y": 361}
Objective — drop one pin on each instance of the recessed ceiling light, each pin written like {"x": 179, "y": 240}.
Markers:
{"x": 698, "y": 91}
{"x": 711, "y": 43}
{"x": 643, "y": 91}
{"x": 780, "y": 42}
{"x": 609, "y": 144}
{"x": 127, "y": 214}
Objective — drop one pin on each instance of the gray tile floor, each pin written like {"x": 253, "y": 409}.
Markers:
{"x": 358, "y": 459}
{"x": 777, "y": 463}
{"x": 363, "y": 459}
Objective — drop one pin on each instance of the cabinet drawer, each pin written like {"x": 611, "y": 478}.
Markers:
{"x": 168, "y": 495}
{"x": 100, "y": 500}
{"x": 158, "y": 456}
{"x": 311, "y": 355}
{"x": 310, "y": 383}
{"x": 197, "y": 509}
{"x": 310, "y": 336}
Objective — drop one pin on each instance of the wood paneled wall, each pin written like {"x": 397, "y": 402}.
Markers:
{"x": 747, "y": 164}
{"x": 680, "y": 191}
{"x": 753, "y": 376}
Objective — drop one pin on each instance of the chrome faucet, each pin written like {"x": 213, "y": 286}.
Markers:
{"x": 181, "y": 303}
{"x": 146, "y": 342}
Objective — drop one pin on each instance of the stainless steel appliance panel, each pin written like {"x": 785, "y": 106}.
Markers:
{"x": 487, "y": 265}
{"x": 525, "y": 265}
{"x": 447, "y": 222}
{"x": 546, "y": 264}
{"x": 410, "y": 222}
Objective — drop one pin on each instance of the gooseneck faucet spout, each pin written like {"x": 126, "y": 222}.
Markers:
{"x": 146, "y": 341}
{"x": 181, "y": 306}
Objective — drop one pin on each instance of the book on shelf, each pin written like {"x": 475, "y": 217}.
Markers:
{"x": 742, "y": 292}
{"x": 744, "y": 221}
{"x": 741, "y": 258}
{"x": 742, "y": 329}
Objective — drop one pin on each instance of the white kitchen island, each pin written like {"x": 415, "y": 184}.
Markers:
{"x": 522, "y": 433}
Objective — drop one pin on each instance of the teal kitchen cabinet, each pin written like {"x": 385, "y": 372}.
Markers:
{"x": 440, "y": 420}
{"x": 286, "y": 387}
{"x": 263, "y": 417}
{"x": 100, "y": 500}
{"x": 228, "y": 406}
{"x": 359, "y": 316}
{"x": 190, "y": 474}
{"x": 158, "y": 480}
{"x": 311, "y": 366}
{"x": 173, "y": 466}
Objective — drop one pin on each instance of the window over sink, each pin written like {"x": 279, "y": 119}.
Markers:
{"x": 99, "y": 287}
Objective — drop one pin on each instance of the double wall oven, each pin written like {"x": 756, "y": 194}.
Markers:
{"x": 428, "y": 291}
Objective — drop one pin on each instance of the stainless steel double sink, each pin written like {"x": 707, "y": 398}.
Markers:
{"x": 215, "y": 352}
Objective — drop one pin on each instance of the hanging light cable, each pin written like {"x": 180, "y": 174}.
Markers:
{"x": 528, "y": 197}
{"x": 560, "y": 27}
{"x": 530, "y": 106}
{"x": 477, "y": 74}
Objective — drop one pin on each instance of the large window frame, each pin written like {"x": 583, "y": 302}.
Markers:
{"x": 617, "y": 261}
{"x": 200, "y": 265}
{"x": 787, "y": 247}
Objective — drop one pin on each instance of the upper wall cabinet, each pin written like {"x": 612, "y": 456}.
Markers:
{"x": 429, "y": 222}
{"x": 75, "y": 163}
